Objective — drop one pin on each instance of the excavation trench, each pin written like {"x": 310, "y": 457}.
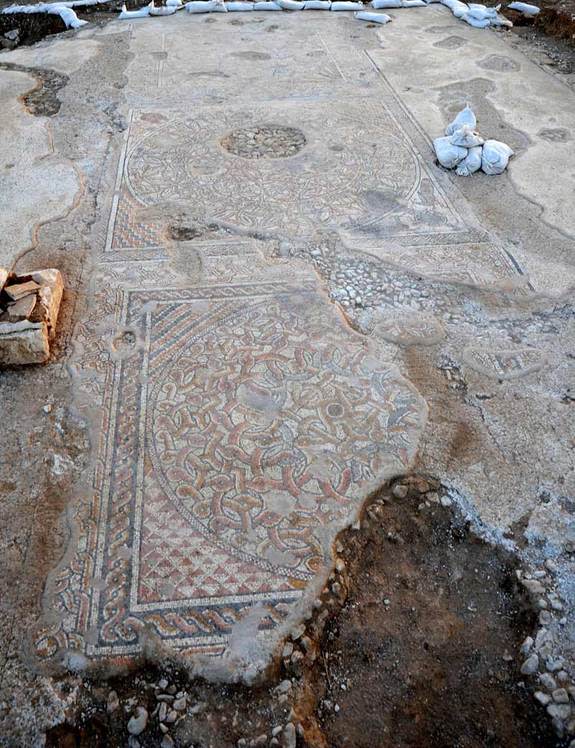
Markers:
{"x": 415, "y": 641}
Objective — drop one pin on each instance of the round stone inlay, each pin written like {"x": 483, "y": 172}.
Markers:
{"x": 265, "y": 141}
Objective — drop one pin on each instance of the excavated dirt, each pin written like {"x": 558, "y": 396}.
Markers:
{"x": 424, "y": 651}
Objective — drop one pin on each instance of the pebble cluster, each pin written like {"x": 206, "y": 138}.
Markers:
{"x": 542, "y": 661}
{"x": 171, "y": 707}
{"x": 362, "y": 283}
{"x": 266, "y": 141}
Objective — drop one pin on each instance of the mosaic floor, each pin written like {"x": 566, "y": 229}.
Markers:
{"x": 240, "y": 422}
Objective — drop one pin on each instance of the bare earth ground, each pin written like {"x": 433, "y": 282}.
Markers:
{"x": 276, "y": 304}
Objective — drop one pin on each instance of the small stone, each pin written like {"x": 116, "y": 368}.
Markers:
{"x": 560, "y": 696}
{"x": 340, "y": 565}
{"x": 553, "y": 665}
{"x": 563, "y": 676}
{"x": 13, "y": 35}
{"x": 527, "y": 644}
{"x": 542, "y": 698}
{"x": 167, "y": 742}
{"x": 260, "y": 740}
{"x": 276, "y": 730}
{"x": 180, "y": 704}
{"x": 163, "y": 728}
{"x": 137, "y": 723}
{"x": 445, "y": 501}
{"x": 551, "y": 565}
{"x": 287, "y": 650}
{"x": 399, "y": 491}
{"x": 242, "y": 742}
{"x": 548, "y": 681}
{"x": 163, "y": 711}
{"x": 530, "y": 665}
{"x": 289, "y": 737}
{"x": 533, "y": 586}
{"x": 298, "y": 632}
{"x": 113, "y": 702}
{"x": 171, "y": 717}
{"x": 284, "y": 687}
{"x": 543, "y": 636}
{"x": 163, "y": 684}
{"x": 545, "y": 618}
{"x": 168, "y": 698}
{"x": 560, "y": 711}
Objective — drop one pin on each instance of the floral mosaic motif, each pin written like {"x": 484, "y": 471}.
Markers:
{"x": 242, "y": 424}
{"x": 261, "y": 434}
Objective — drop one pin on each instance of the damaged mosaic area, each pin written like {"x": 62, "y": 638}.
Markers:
{"x": 243, "y": 425}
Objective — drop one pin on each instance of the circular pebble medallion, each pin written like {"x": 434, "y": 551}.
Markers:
{"x": 266, "y": 141}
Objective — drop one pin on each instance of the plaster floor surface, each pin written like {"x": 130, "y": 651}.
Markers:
{"x": 276, "y": 301}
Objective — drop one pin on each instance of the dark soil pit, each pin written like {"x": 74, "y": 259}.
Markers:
{"x": 32, "y": 27}
{"x": 425, "y": 650}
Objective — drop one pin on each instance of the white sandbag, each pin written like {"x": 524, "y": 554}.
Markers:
{"x": 238, "y": 6}
{"x": 476, "y": 22}
{"x": 526, "y": 8}
{"x": 161, "y": 10}
{"x": 128, "y": 14}
{"x": 267, "y": 5}
{"x": 290, "y": 4}
{"x": 174, "y": 3}
{"x": 458, "y": 8}
{"x": 471, "y": 163}
{"x": 448, "y": 155}
{"x": 346, "y": 5}
{"x": 413, "y": 4}
{"x": 378, "y": 4}
{"x": 64, "y": 10}
{"x": 495, "y": 157}
{"x": 317, "y": 4}
{"x": 481, "y": 11}
{"x": 365, "y": 15}
{"x": 466, "y": 137}
{"x": 464, "y": 117}
{"x": 69, "y": 17}
{"x": 206, "y": 6}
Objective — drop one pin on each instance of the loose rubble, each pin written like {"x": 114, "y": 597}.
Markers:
{"x": 29, "y": 305}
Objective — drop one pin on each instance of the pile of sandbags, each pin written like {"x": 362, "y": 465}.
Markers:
{"x": 477, "y": 15}
{"x": 464, "y": 150}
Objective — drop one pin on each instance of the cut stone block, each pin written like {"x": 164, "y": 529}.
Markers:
{"x": 27, "y": 341}
{"x": 19, "y": 310}
{"x": 18, "y": 290}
